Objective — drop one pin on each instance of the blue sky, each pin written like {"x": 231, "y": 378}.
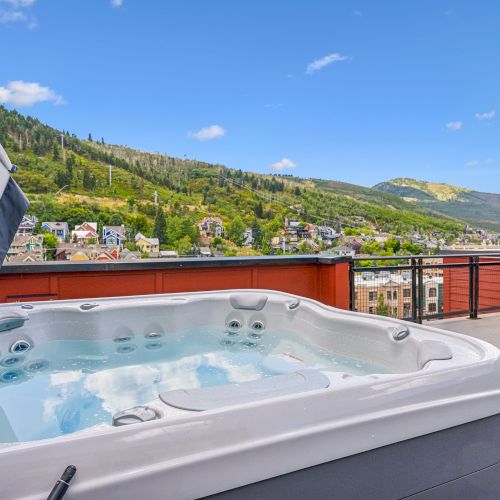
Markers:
{"x": 358, "y": 91}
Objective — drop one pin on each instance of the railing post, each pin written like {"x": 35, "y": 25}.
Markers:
{"x": 414, "y": 299}
{"x": 352, "y": 287}
{"x": 420, "y": 290}
{"x": 472, "y": 283}
{"x": 476, "y": 288}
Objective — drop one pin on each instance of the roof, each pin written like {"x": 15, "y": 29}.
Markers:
{"x": 86, "y": 226}
{"x": 151, "y": 241}
{"x": 117, "y": 229}
{"x": 23, "y": 239}
{"x": 56, "y": 225}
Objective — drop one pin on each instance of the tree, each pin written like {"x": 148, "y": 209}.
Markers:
{"x": 382, "y": 309}
{"x": 87, "y": 179}
{"x": 236, "y": 230}
{"x": 259, "y": 210}
{"x": 55, "y": 152}
{"x": 256, "y": 233}
{"x": 90, "y": 137}
{"x": 50, "y": 243}
{"x": 160, "y": 227}
{"x": 184, "y": 246}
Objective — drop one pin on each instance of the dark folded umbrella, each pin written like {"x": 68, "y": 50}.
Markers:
{"x": 13, "y": 204}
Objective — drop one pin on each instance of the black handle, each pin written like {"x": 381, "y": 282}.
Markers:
{"x": 59, "y": 489}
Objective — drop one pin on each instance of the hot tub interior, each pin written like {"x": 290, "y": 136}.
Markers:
{"x": 70, "y": 366}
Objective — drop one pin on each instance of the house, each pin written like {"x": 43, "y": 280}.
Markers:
{"x": 169, "y": 254}
{"x": 58, "y": 229}
{"x": 248, "y": 238}
{"x": 211, "y": 227}
{"x": 114, "y": 235}
{"x": 27, "y": 225}
{"x": 32, "y": 244}
{"x": 129, "y": 255}
{"x": 75, "y": 251}
{"x": 29, "y": 256}
{"x": 326, "y": 233}
{"x": 343, "y": 251}
{"x": 85, "y": 233}
{"x": 147, "y": 245}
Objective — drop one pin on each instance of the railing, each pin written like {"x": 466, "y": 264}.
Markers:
{"x": 324, "y": 278}
{"x": 423, "y": 287}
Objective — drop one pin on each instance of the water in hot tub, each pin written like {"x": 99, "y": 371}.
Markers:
{"x": 61, "y": 387}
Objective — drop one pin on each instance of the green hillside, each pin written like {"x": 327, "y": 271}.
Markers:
{"x": 187, "y": 190}
{"x": 476, "y": 208}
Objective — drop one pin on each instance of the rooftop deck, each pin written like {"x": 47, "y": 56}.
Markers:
{"x": 486, "y": 327}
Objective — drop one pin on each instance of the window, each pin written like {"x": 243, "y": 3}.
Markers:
{"x": 371, "y": 310}
{"x": 395, "y": 312}
{"x": 395, "y": 295}
{"x": 406, "y": 310}
{"x": 432, "y": 292}
{"x": 432, "y": 307}
{"x": 372, "y": 296}
{"x": 388, "y": 295}
{"x": 406, "y": 292}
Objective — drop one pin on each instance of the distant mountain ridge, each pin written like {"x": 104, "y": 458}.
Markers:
{"x": 474, "y": 207}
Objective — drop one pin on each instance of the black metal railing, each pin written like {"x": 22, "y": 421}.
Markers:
{"x": 423, "y": 287}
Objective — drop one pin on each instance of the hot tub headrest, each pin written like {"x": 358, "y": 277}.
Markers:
{"x": 252, "y": 301}
{"x": 432, "y": 350}
{"x": 210, "y": 398}
{"x": 10, "y": 319}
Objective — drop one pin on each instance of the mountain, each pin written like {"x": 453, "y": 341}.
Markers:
{"x": 477, "y": 208}
{"x": 73, "y": 185}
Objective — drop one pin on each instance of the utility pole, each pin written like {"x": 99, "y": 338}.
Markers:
{"x": 62, "y": 146}
{"x": 156, "y": 197}
{"x": 110, "y": 176}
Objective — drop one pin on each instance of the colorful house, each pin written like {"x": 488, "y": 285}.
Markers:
{"x": 27, "y": 225}
{"x": 85, "y": 233}
{"x": 147, "y": 245}
{"x": 114, "y": 235}
{"x": 22, "y": 245}
{"x": 59, "y": 229}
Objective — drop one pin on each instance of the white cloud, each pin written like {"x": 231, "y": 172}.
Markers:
{"x": 19, "y": 3}
{"x": 357, "y": 13}
{"x": 324, "y": 61}
{"x": 19, "y": 93}
{"x": 116, "y": 3}
{"x": 488, "y": 161}
{"x": 472, "y": 163}
{"x": 208, "y": 133}
{"x": 485, "y": 116}
{"x": 11, "y": 11}
{"x": 454, "y": 125}
{"x": 283, "y": 164}
{"x": 11, "y": 16}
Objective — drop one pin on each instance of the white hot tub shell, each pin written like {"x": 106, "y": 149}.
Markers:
{"x": 255, "y": 438}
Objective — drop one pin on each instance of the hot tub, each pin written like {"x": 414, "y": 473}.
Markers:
{"x": 238, "y": 394}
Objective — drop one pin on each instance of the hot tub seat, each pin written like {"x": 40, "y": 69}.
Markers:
{"x": 211, "y": 398}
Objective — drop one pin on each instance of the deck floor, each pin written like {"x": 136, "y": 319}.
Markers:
{"x": 486, "y": 327}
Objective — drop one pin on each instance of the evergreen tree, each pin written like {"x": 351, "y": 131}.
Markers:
{"x": 55, "y": 152}
{"x": 160, "y": 227}
{"x": 87, "y": 179}
{"x": 382, "y": 309}
{"x": 90, "y": 137}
